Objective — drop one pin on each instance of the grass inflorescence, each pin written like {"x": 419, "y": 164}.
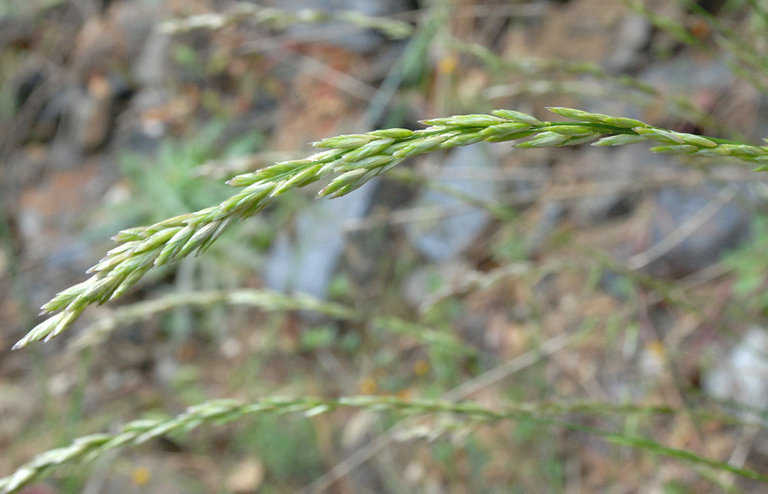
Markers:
{"x": 349, "y": 161}
{"x": 87, "y": 448}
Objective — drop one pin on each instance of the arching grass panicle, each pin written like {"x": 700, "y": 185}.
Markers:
{"x": 349, "y": 161}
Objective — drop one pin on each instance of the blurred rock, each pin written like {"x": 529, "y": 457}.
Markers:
{"x": 691, "y": 229}
{"x": 95, "y": 110}
{"x": 247, "y": 476}
{"x": 599, "y": 208}
{"x": 686, "y": 74}
{"x": 16, "y": 32}
{"x": 54, "y": 110}
{"x": 89, "y": 112}
{"x": 107, "y": 43}
{"x": 151, "y": 66}
{"x": 25, "y": 85}
{"x": 358, "y": 429}
{"x": 51, "y": 219}
{"x": 633, "y": 35}
{"x": 144, "y": 127}
{"x": 448, "y": 225}
{"x": 307, "y": 260}
{"x": 742, "y": 376}
{"x": 578, "y": 31}
{"x": 706, "y": 83}
{"x": 344, "y": 35}
{"x": 371, "y": 250}
{"x": 425, "y": 282}
{"x": 38, "y": 107}
{"x": 552, "y": 213}
{"x": 618, "y": 170}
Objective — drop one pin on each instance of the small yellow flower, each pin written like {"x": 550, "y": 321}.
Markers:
{"x": 368, "y": 386}
{"x": 421, "y": 367}
{"x": 141, "y": 476}
{"x": 448, "y": 64}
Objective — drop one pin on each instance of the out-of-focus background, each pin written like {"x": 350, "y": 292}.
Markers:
{"x": 485, "y": 273}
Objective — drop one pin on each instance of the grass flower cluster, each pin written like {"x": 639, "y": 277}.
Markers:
{"x": 349, "y": 161}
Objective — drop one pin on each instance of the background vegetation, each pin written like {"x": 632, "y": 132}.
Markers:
{"x": 483, "y": 319}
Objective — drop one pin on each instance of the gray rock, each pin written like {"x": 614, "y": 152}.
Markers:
{"x": 685, "y": 75}
{"x": 634, "y": 34}
{"x": 742, "y": 376}
{"x": 17, "y": 31}
{"x": 51, "y": 115}
{"x": 422, "y": 284}
{"x": 599, "y": 208}
{"x": 449, "y": 225}
{"x": 344, "y": 35}
{"x": 618, "y": 169}
{"x": 307, "y": 260}
{"x": 89, "y": 121}
{"x": 616, "y": 174}
{"x": 551, "y": 214}
{"x": 151, "y": 66}
{"x": 692, "y": 228}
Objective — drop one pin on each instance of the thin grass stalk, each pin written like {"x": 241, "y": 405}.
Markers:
{"x": 87, "y": 448}
{"x": 265, "y": 300}
{"x": 281, "y": 19}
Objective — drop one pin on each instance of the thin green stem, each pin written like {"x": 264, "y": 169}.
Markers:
{"x": 90, "y": 447}
{"x": 264, "y": 300}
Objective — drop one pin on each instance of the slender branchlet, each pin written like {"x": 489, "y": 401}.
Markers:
{"x": 281, "y": 19}
{"x": 267, "y": 301}
{"x": 349, "y": 161}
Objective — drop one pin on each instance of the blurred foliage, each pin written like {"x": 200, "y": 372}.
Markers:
{"x": 253, "y": 354}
